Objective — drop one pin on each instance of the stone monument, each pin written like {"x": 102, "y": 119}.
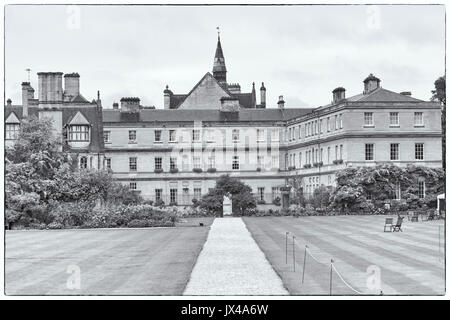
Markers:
{"x": 227, "y": 206}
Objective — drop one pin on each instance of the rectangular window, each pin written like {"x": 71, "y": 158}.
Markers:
{"x": 133, "y": 163}
{"x": 196, "y": 135}
{"x": 196, "y": 162}
{"x": 158, "y": 136}
{"x": 336, "y": 152}
{"x": 79, "y": 133}
{"x": 274, "y": 162}
{"x": 235, "y": 135}
{"x": 341, "y": 151}
{"x": 274, "y": 135}
{"x": 83, "y": 163}
{"x": 336, "y": 122}
{"x": 173, "y": 195}
{"x": 158, "y": 163}
{"x": 108, "y": 163}
{"x": 320, "y": 126}
{"x": 419, "y": 151}
{"x": 421, "y": 189}
{"x": 393, "y": 119}
{"x": 260, "y": 161}
{"x": 299, "y": 159}
{"x": 158, "y": 194}
{"x": 418, "y": 118}
{"x": 12, "y": 131}
{"x": 341, "y": 124}
{"x": 235, "y": 164}
{"x": 107, "y": 136}
{"x": 198, "y": 193}
{"x": 260, "y": 135}
{"x": 132, "y": 136}
{"x": 328, "y": 124}
{"x": 172, "y": 135}
{"x": 299, "y": 131}
{"x": 173, "y": 163}
{"x": 212, "y": 160}
{"x": 275, "y": 193}
{"x": 328, "y": 154}
{"x": 133, "y": 186}
{"x": 369, "y": 151}
{"x": 261, "y": 193}
{"x": 394, "y": 151}
{"x": 368, "y": 119}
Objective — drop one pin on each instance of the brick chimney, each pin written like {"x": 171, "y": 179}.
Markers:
{"x": 50, "y": 87}
{"x": 338, "y": 94}
{"x": 115, "y": 106}
{"x": 27, "y": 95}
{"x": 167, "y": 96}
{"x": 371, "y": 83}
{"x": 71, "y": 85}
{"x": 280, "y": 102}
{"x": 129, "y": 104}
{"x": 8, "y": 103}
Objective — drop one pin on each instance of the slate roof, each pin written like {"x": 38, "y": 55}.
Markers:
{"x": 178, "y": 115}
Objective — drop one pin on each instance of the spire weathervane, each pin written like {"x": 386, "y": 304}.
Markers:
{"x": 218, "y": 33}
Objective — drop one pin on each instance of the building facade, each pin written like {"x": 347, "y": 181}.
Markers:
{"x": 175, "y": 154}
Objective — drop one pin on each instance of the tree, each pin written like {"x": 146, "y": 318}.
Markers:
{"x": 439, "y": 95}
{"x": 241, "y": 195}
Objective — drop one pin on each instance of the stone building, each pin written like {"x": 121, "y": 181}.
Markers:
{"x": 176, "y": 153}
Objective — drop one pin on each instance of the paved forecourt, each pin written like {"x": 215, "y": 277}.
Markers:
{"x": 410, "y": 262}
{"x": 148, "y": 261}
{"x": 231, "y": 263}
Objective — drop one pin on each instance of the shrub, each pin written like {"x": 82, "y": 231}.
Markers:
{"x": 307, "y": 165}
{"x": 277, "y": 201}
{"x": 211, "y": 170}
{"x": 71, "y": 214}
{"x": 290, "y": 168}
{"x": 174, "y": 170}
{"x": 158, "y": 170}
{"x": 55, "y": 225}
{"x": 240, "y": 193}
{"x": 159, "y": 203}
{"x": 260, "y": 201}
{"x": 197, "y": 170}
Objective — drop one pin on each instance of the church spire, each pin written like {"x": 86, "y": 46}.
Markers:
{"x": 219, "y": 68}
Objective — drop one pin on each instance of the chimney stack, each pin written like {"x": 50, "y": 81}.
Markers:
{"x": 262, "y": 91}
{"x": 71, "y": 85}
{"x": 129, "y": 104}
{"x": 8, "y": 103}
{"x": 167, "y": 96}
{"x": 338, "y": 94}
{"x": 280, "y": 102}
{"x": 50, "y": 87}
{"x": 371, "y": 83}
{"x": 115, "y": 106}
{"x": 27, "y": 95}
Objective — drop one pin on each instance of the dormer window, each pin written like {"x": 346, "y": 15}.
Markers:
{"x": 79, "y": 133}
{"x": 12, "y": 131}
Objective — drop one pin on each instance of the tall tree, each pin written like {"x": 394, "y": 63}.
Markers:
{"x": 439, "y": 95}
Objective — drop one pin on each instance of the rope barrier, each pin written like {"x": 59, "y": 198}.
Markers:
{"x": 333, "y": 267}
{"x": 345, "y": 282}
{"x": 311, "y": 255}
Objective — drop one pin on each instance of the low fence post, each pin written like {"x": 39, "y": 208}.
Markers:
{"x": 287, "y": 246}
{"x": 331, "y": 277}
{"x": 304, "y": 264}
{"x": 293, "y": 251}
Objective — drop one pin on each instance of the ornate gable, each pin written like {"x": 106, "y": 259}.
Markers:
{"x": 205, "y": 95}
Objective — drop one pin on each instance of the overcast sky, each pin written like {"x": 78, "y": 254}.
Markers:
{"x": 301, "y": 52}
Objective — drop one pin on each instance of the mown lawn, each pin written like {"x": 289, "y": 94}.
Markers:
{"x": 152, "y": 261}
{"x": 410, "y": 262}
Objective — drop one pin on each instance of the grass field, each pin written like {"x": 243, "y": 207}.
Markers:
{"x": 410, "y": 261}
{"x": 153, "y": 261}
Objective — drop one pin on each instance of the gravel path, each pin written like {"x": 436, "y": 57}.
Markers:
{"x": 231, "y": 263}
